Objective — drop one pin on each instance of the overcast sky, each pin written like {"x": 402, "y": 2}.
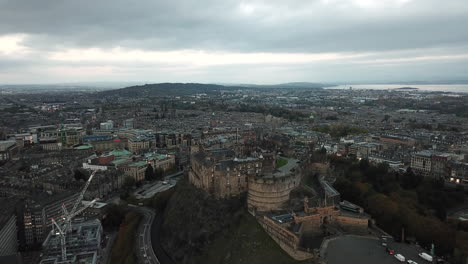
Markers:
{"x": 257, "y": 41}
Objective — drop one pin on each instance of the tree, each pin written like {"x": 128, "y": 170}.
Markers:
{"x": 80, "y": 175}
{"x": 114, "y": 216}
{"x": 149, "y": 173}
{"x": 129, "y": 182}
{"x": 409, "y": 180}
{"x": 158, "y": 173}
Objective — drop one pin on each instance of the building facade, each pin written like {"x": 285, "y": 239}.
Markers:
{"x": 421, "y": 163}
{"x": 8, "y": 230}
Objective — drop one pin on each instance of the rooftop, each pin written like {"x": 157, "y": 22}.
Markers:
{"x": 4, "y": 145}
{"x": 121, "y": 153}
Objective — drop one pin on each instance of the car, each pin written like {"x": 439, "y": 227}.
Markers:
{"x": 390, "y": 251}
{"x": 409, "y": 261}
{"x": 400, "y": 257}
{"x": 384, "y": 244}
{"x": 425, "y": 256}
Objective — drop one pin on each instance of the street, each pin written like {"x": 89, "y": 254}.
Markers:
{"x": 149, "y": 190}
{"x": 144, "y": 249}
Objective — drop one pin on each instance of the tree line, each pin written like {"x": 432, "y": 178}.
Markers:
{"x": 404, "y": 203}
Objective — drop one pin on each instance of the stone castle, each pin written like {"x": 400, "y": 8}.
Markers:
{"x": 269, "y": 188}
{"x": 222, "y": 174}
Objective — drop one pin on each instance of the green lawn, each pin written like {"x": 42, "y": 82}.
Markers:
{"x": 281, "y": 162}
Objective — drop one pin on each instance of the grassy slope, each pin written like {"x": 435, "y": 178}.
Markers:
{"x": 122, "y": 250}
{"x": 245, "y": 243}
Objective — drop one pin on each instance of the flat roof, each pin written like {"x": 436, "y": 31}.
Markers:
{"x": 4, "y": 145}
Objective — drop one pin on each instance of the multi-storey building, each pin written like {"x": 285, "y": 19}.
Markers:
{"x": 129, "y": 123}
{"x": 160, "y": 161}
{"x": 139, "y": 143}
{"x": 8, "y": 231}
{"x": 432, "y": 164}
{"x": 67, "y": 135}
{"x": 136, "y": 170}
{"x": 363, "y": 149}
{"x": 108, "y": 125}
{"x": 8, "y": 149}
{"x": 458, "y": 172}
{"x": 167, "y": 140}
{"x": 220, "y": 173}
{"x": 37, "y": 214}
{"x": 439, "y": 163}
{"x": 421, "y": 163}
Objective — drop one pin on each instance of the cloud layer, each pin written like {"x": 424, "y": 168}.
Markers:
{"x": 258, "y": 41}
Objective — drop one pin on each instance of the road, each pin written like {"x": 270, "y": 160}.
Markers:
{"x": 149, "y": 190}
{"x": 105, "y": 253}
{"x": 163, "y": 257}
{"x": 144, "y": 248}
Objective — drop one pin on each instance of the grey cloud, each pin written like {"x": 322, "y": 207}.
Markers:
{"x": 276, "y": 26}
{"x": 418, "y": 28}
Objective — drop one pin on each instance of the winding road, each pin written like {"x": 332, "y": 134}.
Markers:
{"x": 144, "y": 248}
{"x": 148, "y": 247}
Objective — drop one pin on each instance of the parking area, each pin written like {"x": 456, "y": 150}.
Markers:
{"x": 355, "y": 249}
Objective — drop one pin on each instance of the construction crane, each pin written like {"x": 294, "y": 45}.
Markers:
{"x": 62, "y": 226}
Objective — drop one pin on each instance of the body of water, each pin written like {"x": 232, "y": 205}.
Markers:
{"x": 454, "y": 88}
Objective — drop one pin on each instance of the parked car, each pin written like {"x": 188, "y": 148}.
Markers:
{"x": 409, "y": 261}
{"x": 390, "y": 251}
{"x": 400, "y": 257}
{"x": 425, "y": 256}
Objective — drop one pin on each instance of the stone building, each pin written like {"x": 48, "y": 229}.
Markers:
{"x": 270, "y": 191}
{"x": 362, "y": 150}
{"x": 138, "y": 144}
{"x": 135, "y": 170}
{"x": 8, "y": 149}
{"x": 458, "y": 172}
{"x": 439, "y": 165}
{"x": 421, "y": 163}
{"x": 432, "y": 164}
{"x": 219, "y": 172}
{"x": 108, "y": 145}
{"x": 160, "y": 161}
{"x": 292, "y": 231}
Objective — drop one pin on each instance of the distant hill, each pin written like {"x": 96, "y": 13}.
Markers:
{"x": 302, "y": 85}
{"x": 174, "y": 89}
{"x": 406, "y": 88}
{"x": 165, "y": 89}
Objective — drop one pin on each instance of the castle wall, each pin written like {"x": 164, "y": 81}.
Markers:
{"x": 287, "y": 240}
{"x": 358, "y": 225}
{"x": 224, "y": 182}
{"x": 266, "y": 194}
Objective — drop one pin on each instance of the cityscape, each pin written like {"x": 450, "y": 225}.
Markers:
{"x": 179, "y": 134}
